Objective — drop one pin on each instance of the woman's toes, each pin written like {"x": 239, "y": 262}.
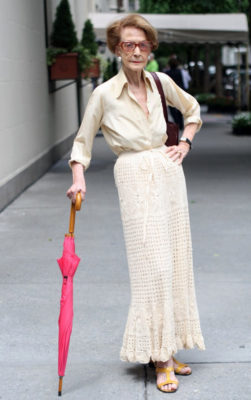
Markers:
{"x": 171, "y": 386}
{"x": 185, "y": 370}
{"x": 167, "y": 387}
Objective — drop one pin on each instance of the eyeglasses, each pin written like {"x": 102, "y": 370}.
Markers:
{"x": 131, "y": 46}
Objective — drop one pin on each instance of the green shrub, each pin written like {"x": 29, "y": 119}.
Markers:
{"x": 108, "y": 73}
{"x": 202, "y": 98}
{"x": 162, "y": 61}
{"x": 114, "y": 66}
{"x": 64, "y": 38}
{"x": 63, "y": 30}
{"x": 216, "y": 103}
{"x": 241, "y": 123}
{"x": 88, "y": 40}
{"x": 84, "y": 57}
{"x": 51, "y": 54}
{"x": 111, "y": 69}
{"x": 221, "y": 104}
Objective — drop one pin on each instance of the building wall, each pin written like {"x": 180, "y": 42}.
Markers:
{"x": 36, "y": 127}
{"x": 112, "y": 6}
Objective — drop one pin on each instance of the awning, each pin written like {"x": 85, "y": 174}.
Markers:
{"x": 186, "y": 28}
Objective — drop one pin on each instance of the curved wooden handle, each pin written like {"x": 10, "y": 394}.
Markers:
{"x": 78, "y": 201}
{"x": 74, "y": 207}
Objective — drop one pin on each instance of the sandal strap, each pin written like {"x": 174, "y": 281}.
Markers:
{"x": 167, "y": 370}
{"x": 167, "y": 382}
{"x": 168, "y": 379}
{"x": 180, "y": 365}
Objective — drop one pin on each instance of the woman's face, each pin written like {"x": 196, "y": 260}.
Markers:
{"x": 133, "y": 59}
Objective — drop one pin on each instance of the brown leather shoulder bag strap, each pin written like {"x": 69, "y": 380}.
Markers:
{"x": 161, "y": 92}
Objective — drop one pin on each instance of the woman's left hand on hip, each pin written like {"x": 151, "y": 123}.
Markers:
{"x": 178, "y": 153}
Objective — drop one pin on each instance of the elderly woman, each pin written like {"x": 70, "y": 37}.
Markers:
{"x": 163, "y": 315}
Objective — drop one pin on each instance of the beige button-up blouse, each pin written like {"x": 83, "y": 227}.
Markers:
{"x": 125, "y": 126}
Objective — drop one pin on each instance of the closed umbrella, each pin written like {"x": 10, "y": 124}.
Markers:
{"x": 68, "y": 264}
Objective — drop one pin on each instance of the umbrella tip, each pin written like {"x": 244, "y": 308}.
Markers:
{"x": 60, "y": 386}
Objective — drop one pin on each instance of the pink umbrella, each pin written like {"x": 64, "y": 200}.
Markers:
{"x": 68, "y": 264}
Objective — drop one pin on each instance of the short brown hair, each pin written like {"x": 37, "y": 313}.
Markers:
{"x": 135, "y": 20}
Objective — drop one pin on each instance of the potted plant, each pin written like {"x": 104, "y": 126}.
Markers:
{"x": 241, "y": 124}
{"x": 221, "y": 104}
{"x": 111, "y": 69}
{"x": 66, "y": 57}
{"x": 88, "y": 41}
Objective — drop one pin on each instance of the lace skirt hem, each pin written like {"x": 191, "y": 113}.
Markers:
{"x": 164, "y": 353}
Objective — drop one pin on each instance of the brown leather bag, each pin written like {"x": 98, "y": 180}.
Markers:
{"x": 172, "y": 129}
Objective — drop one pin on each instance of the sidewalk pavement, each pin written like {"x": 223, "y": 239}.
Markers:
{"x": 32, "y": 233}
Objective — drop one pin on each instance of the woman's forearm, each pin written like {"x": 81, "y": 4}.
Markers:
{"x": 178, "y": 153}
{"x": 190, "y": 130}
{"x": 77, "y": 172}
{"x": 78, "y": 184}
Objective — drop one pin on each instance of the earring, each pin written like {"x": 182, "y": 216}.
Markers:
{"x": 119, "y": 59}
{"x": 149, "y": 57}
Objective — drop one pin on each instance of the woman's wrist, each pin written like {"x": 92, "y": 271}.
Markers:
{"x": 189, "y": 131}
{"x": 185, "y": 146}
{"x": 186, "y": 141}
{"x": 77, "y": 172}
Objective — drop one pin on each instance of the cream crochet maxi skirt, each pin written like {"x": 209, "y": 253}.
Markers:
{"x": 163, "y": 315}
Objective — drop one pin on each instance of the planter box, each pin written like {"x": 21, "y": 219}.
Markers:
{"x": 244, "y": 130}
{"x": 93, "y": 71}
{"x": 221, "y": 104}
{"x": 221, "y": 109}
{"x": 65, "y": 67}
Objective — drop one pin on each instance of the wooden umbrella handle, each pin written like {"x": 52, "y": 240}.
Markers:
{"x": 78, "y": 201}
{"x": 74, "y": 207}
{"x": 60, "y": 385}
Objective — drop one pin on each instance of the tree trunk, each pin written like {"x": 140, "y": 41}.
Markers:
{"x": 218, "y": 88}
{"x": 206, "y": 71}
{"x": 197, "y": 71}
{"x": 119, "y": 5}
{"x": 249, "y": 19}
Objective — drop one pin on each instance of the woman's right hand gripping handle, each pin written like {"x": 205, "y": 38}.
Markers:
{"x": 78, "y": 184}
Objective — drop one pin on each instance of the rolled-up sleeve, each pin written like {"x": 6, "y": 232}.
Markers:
{"x": 183, "y": 101}
{"x": 83, "y": 142}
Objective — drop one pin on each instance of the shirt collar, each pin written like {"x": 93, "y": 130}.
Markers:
{"x": 121, "y": 81}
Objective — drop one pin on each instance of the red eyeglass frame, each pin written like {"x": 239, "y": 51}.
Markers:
{"x": 135, "y": 45}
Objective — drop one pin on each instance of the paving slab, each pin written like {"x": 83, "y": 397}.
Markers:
{"x": 208, "y": 381}
{"x": 32, "y": 228}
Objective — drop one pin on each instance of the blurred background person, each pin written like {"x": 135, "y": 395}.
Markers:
{"x": 175, "y": 73}
{"x": 152, "y": 65}
{"x": 186, "y": 77}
